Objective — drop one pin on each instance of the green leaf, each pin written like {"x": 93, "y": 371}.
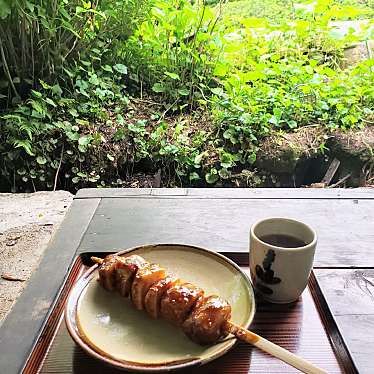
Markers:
{"x": 75, "y": 180}
{"x": 82, "y": 122}
{"x": 56, "y": 89}
{"x": 38, "y": 107}
{"x": 220, "y": 70}
{"x": 50, "y": 102}
{"x": 5, "y": 9}
{"x": 73, "y": 112}
{"x": 292, "y": 124}
{"x": 41, "y": 160}
{"x": 107, "y": 68}
{"x": 37, "y": 94}
{"x": 85, "y": 140}
{"x": 217, "y": 91}
{"x": 230, "y": 134}
{"x": 198, "y": 158}
{"x": 85, "y": 63}
{"x": 252, "y": 158}
{"x": 274, "y": 120}
{"x": 120, "y": 119}
{"x": 158, "y": 87}
{"x": 110, "y": 157}
{"x": 25, "y": 144}
{"x": 45, "y": 85}
{"x": 69, "y": 73}
{"x": 194, "y": 176}
{"x": 173, "y": 76}
{"x": 119, "y": 135}
{"x": 212, "y": 176}
{"x": 184, "y": 91}
{"x": 120, "y": 68}
{"x": 72, "y": 135}
{"x": 94, "y": 80}
{"x": 224, "y": 173}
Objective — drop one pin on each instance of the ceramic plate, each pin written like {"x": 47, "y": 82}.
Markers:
{"x": 109, "y": 328}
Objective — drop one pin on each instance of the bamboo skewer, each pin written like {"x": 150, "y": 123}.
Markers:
{"x": 263, "y": 344}
{"x": 273, "y": 349}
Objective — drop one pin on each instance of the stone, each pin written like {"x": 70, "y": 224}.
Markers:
{"x": 358, "y": 52}
{"x": 355, "y": 150}
{"x": 27, "y": 223}
{"x": 282, "y": 153}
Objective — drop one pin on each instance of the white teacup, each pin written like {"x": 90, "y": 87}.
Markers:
{"x": 281, "y": 258}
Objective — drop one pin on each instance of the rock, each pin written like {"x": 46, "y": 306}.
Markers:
{"x": 32, "y": 208}
{"x": 355, "y": 145}
{"x": 355, "y": 150}
{"x": 288, "y": 156}
{"x": 357, "y": 53}
{"x": 25, "y": 237}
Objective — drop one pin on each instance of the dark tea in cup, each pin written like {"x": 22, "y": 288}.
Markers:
{"x": 281, "y": 240}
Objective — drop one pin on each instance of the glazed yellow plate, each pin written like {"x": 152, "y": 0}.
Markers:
{"x": 109, "y": 328}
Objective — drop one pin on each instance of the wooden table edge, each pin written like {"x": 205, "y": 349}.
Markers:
{"x": 228, "y": 193}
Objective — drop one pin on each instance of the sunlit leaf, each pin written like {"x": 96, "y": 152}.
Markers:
{"x": 120, "y": 68}
{"x": 158, "y": 87}
{"x": 41, "y": 160}
{"x": 173, "y": 76}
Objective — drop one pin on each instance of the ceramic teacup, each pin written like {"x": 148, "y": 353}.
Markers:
{"x": 281, "y": 258}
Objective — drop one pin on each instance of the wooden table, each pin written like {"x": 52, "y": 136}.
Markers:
{"x": 219, "y": 219}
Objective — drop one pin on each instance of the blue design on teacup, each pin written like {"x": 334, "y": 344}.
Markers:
{"x": 265, "y": 275}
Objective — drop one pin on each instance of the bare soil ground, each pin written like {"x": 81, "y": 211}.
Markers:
{"x": 27, "y": 223}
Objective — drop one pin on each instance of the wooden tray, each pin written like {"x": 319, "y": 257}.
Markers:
{"x": 306, "y": 328}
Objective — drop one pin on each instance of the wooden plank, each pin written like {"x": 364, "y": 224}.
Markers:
{"x": 22, "y": 326}
{"x": 227, "y": 193}
{"x": 331, "y": 172}
{"x": 344, "y": 227}
{"x": 350, "y": 296}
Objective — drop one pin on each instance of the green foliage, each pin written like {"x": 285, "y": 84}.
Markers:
{"x": 76, "y": 76}
{"x": 276, "y": 10}
{"x": 271, "y": 9}
{"x": 39, "y": 39}
{"x": 54, "y": 128}
{"x": 255, "y": 75}
{"x": 175, "y": 51}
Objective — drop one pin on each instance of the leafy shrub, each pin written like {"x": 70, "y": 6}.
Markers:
{"x": 175, "y": 51}
{"x": 39, "y": 39}
{"x": 55, "y": 127}
{"x": 92, "y": 136}
{"x": 255, "y": 75}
